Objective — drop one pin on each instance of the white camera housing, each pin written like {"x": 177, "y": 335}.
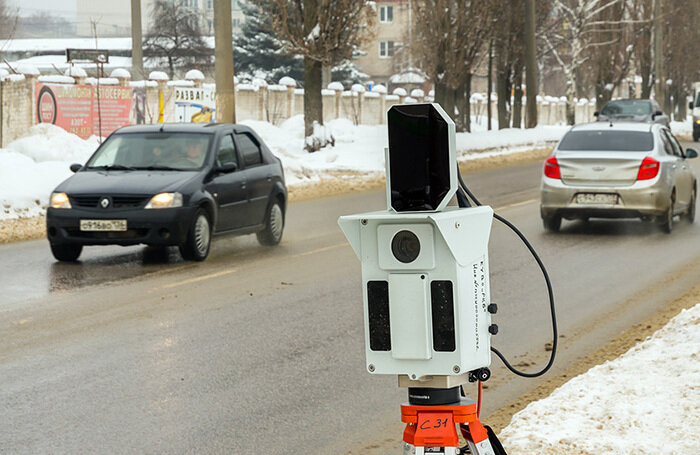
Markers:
{"x": 454, "y": 250}
{"x": 425, "y": 272}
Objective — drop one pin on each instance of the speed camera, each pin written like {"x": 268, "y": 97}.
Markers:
{"x": 425, "y": 275}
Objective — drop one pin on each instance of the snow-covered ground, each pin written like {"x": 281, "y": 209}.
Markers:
{"x": 645, "y": 402}
{"x": 32, "y": 166}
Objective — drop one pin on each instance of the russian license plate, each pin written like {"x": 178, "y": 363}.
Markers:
{"x": 103, "y": 225}
{"x": 596, "y": 198}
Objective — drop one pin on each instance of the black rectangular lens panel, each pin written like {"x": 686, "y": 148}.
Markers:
{"x": 419, "y": 158}
{"x": 442, "y": 302}
{"x": 378, "y": 306}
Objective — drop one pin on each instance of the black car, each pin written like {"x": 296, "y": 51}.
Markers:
{"x": 633, "y": 110}
{"x": 173, "y": 184}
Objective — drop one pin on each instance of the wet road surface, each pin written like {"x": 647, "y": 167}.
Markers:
{"x": 260, "y": 350}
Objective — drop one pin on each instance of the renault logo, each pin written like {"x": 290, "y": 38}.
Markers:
{"x": 104, "y": 202}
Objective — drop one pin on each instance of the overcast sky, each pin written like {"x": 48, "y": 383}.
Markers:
{"x": 64, "y": 8}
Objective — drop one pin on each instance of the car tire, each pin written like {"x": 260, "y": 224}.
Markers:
{"x": 274, "y": 225}
{"x": 690, "y": 214}
{"x": 198, "y": 243}
{"x": 666, "y": 220}
{"x": 66, "y": 253}
{"x": 552, "y": 223}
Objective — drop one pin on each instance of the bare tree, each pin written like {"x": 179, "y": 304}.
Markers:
{"x": 8, "y": 20}
{"x": 681, "y": 45}
{"x": 325, "y": 32}
{"x": 177, "y": 38}
{"x": 448, "y": 41}
{"x": 575, "y": 36}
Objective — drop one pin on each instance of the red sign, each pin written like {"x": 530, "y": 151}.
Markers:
{"x": 78, "y": 109}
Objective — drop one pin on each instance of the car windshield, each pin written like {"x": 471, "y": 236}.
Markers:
{"x": 154, "y": 151}
{"x": 614, "y": 141}
{"x": 626, "y": 108}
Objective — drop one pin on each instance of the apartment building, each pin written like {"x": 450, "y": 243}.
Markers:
{"x": 388, "y": 53}
{"x": 113, "y": 18}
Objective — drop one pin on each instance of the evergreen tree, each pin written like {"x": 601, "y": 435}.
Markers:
{"x": 258, "y": 53}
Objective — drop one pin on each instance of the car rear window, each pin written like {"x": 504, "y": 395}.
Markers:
{"x": 637, "y": 107}
{"x": 614, "y": 141}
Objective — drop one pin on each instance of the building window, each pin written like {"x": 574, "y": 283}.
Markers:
{"x": 386, "y": 49}
{"x": 386, "y": 14}
{"x": 210, "y": 24}
{"x": 210, "y": 4}
{"x": 236, "y": 22}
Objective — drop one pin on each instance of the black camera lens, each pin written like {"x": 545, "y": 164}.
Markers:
{"x": 405, "y": 246}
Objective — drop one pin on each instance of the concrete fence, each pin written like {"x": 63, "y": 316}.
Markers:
{"x": 256, "y": 101}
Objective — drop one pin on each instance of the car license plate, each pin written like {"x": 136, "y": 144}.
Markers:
{"x": 103, "y": 225}
{"x": 596, "y": 198}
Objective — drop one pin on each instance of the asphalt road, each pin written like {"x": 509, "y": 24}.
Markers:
{"x": 260, "y": 350}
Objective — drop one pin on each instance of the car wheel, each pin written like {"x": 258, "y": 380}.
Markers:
{"x": 66, "y": 253}
{"x": 274, "y": 225}
{"x": 666, "y": 221}
{"x": 552, "y": 223}
{"x": 196, "y": 247}
{"x": 690, "y": 214}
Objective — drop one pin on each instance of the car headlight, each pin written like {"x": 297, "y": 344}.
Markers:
{"x": 60, "y": 201}
{"x": 165, "y": 201}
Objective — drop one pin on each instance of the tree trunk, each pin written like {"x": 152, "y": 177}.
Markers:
{"x": 570, "y": 95}
{"x": 646, "y": 84}
{"x": 449, "y": 105}
{"x": 530, "y": 63}
{"x": 602, "y": 95}
{"x": 518, "y": 96}
{"x": 313, "y": 101}
{"x": 441, "y": 94}
{"x": 171, "y": 66}
{"x": 468, "y": 103}
{"x": 503, "y": 103}
{"x": 489, "y": 82}
{"x": 461, "y": 106}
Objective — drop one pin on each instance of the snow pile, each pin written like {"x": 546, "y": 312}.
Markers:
{"x": 683, "y": 129}
{"x": 645, "y": 402}
{"x": 481, "y": 139}
{"x": 33, "y": 165}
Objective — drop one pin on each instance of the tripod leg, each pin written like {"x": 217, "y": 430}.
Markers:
{"x": 478, "y": 439}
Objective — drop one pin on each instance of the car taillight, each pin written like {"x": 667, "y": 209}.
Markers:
{"x": 551, "y": 168}
{"x": 649, "y": 169}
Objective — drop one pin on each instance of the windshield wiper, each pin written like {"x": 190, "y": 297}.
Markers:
{"x": 157, "y": 168}
{"x": 113, "y": 167}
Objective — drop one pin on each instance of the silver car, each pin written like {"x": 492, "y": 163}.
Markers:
{"x": 619, "y": 170}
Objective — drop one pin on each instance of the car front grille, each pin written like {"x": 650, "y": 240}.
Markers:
{"x": 117, "y": 202}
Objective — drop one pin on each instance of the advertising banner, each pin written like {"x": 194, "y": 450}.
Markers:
{"x": 193, "y": 104}
{"x": 75, "y": 108}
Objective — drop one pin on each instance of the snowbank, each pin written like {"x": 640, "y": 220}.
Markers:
{"x": 645, "y": 402}
{"x": 32, "y": 166}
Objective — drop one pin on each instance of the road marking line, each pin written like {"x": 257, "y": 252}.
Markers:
{"x": 517, "y": 204}
{"x": 199, "y": 278}
{"x": 320, "y": 250}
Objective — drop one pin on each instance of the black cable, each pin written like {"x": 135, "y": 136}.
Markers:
{"x": 555, "y": 333}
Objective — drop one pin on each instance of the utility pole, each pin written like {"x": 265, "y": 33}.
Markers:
{"x": 530, "y": 64}
{"x": 136, "y": 40}
{"x": 223, "y": 63}
{"x": 660, "y": 71}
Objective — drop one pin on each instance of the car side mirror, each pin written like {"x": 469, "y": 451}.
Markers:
{"x": 227, "y": 168}
{"x": 75, "y": 167}
{"x": 690, "y": 105}
{"x": 691, "y": 153}
{"x": 657, "y": 114}
{"x": 596, "y": 114}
